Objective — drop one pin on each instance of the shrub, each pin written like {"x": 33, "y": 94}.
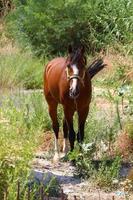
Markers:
{"x": 49, "y": 26}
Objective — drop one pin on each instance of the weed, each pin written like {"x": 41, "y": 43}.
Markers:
{"x": 107, "y": 173}
{"x": 53, "y": 188}
{"x": 129, "y": 128}
{"x": 102, "y": 172}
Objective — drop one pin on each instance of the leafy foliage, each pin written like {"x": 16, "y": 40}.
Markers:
{"x": 49, "y": 26}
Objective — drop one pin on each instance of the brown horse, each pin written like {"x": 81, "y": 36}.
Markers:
{"x": 68, "y": 82}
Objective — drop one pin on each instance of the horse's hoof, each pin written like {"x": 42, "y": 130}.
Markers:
{"x": 62, "y": 155}
{"x": 56, "y": 158}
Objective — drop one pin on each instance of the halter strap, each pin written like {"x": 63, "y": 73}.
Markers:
{"x": 81, "y": 79}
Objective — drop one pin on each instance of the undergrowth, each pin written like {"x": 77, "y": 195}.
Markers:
{"x": 102, "y": 173}
{"x": 100, "y": 157}
{"x": 22, "y": 122}
{"x": 21, "y": 70}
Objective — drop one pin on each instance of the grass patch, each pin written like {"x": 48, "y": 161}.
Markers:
{"x": 98, "y": 159}
{"x": 22, "y": 122}
{"x": 21, "y": 70}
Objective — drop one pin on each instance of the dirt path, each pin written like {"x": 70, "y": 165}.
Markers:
{"x": 74, "y": 187}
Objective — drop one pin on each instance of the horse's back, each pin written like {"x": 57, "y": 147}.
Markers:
{"x": 52, "y": 76}
{"x": 54, "y": 67}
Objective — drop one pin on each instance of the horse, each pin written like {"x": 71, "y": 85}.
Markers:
{"x": 67, "y": 81}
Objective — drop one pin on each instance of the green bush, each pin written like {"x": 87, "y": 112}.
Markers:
{"x": 49, "y": 26}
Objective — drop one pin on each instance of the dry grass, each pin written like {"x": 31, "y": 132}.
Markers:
{"x": 124, "y": 144}
{"x": 47, "y": 141}
{"x": 114, "y": 56}
{"x": 7, "y": 46}
{"x": 118, "y": 69}
{"x": 116, "y": 59}
{"x": 17, "y": 68}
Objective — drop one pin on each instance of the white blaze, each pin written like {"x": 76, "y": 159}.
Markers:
{"x": 75, "y": 80}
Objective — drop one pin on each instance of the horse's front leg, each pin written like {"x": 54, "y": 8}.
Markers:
{"x": 82, "y": 115}
{"x": 69, "y": 122}
{"x": 65, "y": 140}
{"x": 55, "y": 125}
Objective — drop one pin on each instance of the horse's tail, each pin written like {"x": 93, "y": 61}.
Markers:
{"x": 95, "y": 67}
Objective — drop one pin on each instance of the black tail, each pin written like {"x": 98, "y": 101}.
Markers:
{"x": 95, "y": 67}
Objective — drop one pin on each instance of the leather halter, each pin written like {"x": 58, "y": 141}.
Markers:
{"x": 81, "y": 79}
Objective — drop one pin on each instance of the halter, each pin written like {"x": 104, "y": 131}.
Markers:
{"x": 81, "y": 79}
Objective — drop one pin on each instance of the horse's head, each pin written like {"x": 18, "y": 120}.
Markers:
{"x": 76, "y": 70}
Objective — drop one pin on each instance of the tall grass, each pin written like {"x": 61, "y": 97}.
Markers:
{"x": 21, "y": 70}
{"x": 22, "y": 122}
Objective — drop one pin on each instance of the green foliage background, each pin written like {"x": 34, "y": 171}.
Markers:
{"x": 49, "y": 26}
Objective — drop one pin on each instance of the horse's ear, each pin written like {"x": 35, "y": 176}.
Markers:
{"x": 70, "y": 49}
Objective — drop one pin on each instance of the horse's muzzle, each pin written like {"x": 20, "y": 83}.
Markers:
{"x": 74, "y": 93}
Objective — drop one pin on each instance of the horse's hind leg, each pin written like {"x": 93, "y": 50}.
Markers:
{"x": 69, "y": 119}
{"x": 53, "y": 114}
{"x": 82, "y": 115}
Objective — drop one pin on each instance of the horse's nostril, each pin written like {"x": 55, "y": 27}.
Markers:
{"x": 70, "y": 93}
{"x": 73, "y": 93}
{"x": 77, "y": 91}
